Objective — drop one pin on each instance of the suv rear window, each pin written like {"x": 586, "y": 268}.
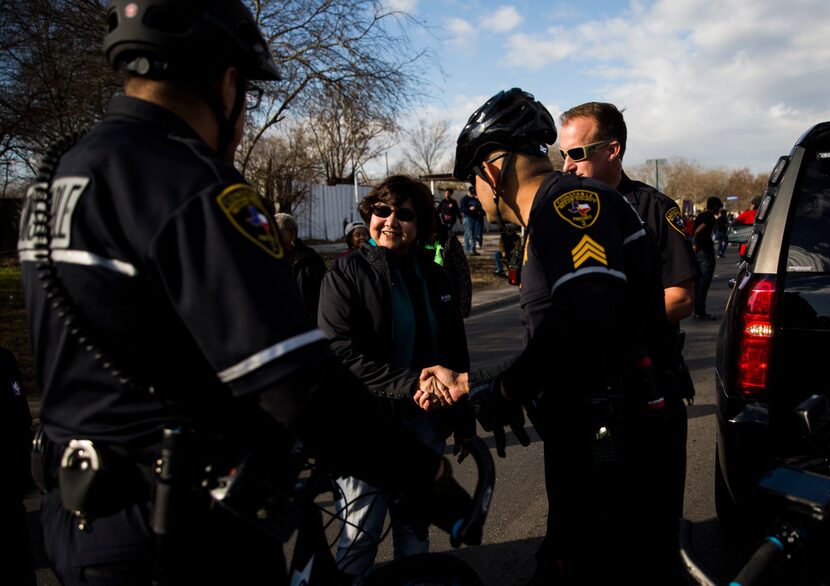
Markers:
{"x": 809, "y": 246}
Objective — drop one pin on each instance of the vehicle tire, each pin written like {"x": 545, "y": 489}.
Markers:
{"x": 424, "y": 569}
{"x": 725, "y": 507}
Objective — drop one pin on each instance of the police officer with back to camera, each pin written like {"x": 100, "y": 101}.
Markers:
{"x": 590, "y": 294}
{"x": 170, "y": 339}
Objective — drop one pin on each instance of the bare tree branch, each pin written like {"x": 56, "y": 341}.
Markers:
{"x": 427, "y": 144}
{"x": 353, "y": 47}
{"x": 281, "y": 167}
{"x": 55, "y": 79}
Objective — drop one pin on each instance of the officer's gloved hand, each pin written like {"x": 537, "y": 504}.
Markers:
{"x": 494, "y": 411}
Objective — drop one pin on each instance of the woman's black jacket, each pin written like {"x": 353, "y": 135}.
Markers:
{"x": 356, "y": 313}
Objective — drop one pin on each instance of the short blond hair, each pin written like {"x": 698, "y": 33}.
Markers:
{"x": 286, "y": 222}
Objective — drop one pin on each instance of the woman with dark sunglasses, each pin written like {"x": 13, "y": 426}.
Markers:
{"x": 389, "y": 311}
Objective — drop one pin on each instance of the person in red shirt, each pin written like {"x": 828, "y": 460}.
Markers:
{"x": 747, "y": 217}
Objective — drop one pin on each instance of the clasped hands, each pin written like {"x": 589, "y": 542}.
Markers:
{"x": 440, "y": 387}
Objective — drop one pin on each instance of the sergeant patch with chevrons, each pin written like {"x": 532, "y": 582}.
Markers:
{"x": 579, "y": 207}
{"x": 586, "y": 249}
{"x": 247, "y": 213}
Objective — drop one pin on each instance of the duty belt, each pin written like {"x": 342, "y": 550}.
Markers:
{"x": 93, "y": 481}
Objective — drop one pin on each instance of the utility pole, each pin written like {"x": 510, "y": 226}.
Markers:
{"x": 657, "y": 163}
{"x": 354, "y": 176}
{"x": 8, "y": 164}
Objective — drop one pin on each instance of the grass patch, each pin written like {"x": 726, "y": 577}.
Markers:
{"x": 481, "y": 272}
{"x": 14, "y": 325}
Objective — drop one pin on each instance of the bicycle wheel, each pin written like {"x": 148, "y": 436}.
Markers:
{"x": 424, "y": 570}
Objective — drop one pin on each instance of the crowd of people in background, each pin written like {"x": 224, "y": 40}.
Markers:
{"x": 709, "y": 231}
{"x": 725, "y": 220}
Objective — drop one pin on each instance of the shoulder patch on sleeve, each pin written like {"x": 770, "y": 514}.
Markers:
{"x": 247, "y": 213}
{"x": 580, "y": 207}
{"x": 675, "y": 221}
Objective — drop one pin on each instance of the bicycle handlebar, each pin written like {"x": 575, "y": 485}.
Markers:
{"x": 757, "y": 570}
{"x": 470, "y": 530}
{"x": 761, "y": 561}
{"x": 796, "y": 486}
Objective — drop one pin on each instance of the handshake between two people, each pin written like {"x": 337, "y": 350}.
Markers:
{"x": 493, "y": 407}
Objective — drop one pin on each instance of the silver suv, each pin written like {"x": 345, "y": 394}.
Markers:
{"x": 774, "y": 341}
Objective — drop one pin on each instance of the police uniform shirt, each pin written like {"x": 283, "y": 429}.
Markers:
{"x": 174, "y": 263}
{"x": 588, "y": 271}
{"x": 577, "y": 230}
{"x": 662, "y": 216}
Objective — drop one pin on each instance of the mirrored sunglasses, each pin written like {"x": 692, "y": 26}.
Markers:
{"x": 580, "y": 153}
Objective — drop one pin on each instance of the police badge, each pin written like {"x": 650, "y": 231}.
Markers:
{"x": 247, "y": 214}
{"x": 676, "y": 221}
{"x": 579, "y": 207}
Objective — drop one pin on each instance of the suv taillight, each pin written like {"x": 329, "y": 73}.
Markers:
{"x": 755, "y": 336}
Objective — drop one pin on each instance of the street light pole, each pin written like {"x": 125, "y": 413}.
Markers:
{"x": 657, "y": 163}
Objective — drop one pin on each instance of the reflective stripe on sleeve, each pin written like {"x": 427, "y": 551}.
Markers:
{"x": 635, "y": 236}
{"x": 82, "y": 257}
{"x": 271, "y": 353}
{"x": 582, "y": 272}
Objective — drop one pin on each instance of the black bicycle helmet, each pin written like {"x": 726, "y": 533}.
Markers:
{"x": 511, "y": 120}
{"x": 162, "y": 38}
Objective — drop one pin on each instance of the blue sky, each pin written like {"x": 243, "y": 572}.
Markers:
{"x": 727, "y": 84}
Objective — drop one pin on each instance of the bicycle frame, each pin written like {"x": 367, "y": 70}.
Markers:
{"x": 798, "y": 490}
{"x": 313, "y": 564}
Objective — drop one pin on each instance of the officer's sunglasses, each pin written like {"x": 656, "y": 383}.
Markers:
{"x": 253, "y": 96}
{"x": 402, "y": 214}
{"x": 581, "y": 153}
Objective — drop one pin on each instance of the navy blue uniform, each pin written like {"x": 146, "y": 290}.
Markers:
{"x": 175, "y": 267}
{"x": 677, "y": 265}
{"x": 179, "y": 277}
{"x": 588, "y": 272}
{"x": 590, "y": 294}
{"x": 174, "y": 262}
{"x": 663, "y": 217}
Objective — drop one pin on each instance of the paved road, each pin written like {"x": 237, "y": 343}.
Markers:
{"x": 517, "y": 519}
{"x": 516, "y": 523}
